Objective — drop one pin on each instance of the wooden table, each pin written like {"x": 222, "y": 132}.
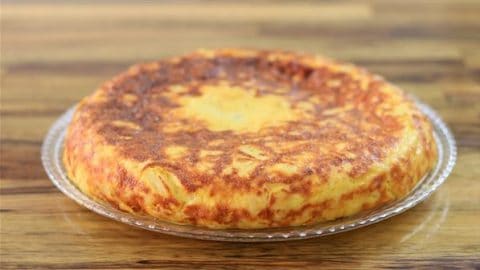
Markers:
{"x": 52, "y": 54}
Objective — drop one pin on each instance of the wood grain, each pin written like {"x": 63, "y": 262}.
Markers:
{"x": 54, "y": 53}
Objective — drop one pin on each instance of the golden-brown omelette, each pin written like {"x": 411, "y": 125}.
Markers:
{"x": 247, "y": 139}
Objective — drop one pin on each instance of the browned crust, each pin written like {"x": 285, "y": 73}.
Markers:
{"x": 370, "y": 128}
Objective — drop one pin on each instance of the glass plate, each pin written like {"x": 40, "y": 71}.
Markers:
{"x": 52, "y": 150}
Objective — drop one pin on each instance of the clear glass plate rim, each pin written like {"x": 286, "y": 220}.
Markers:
{"x": 51, "y": 158}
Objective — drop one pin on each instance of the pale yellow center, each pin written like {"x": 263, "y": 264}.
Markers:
{"x": 224, "y": 107}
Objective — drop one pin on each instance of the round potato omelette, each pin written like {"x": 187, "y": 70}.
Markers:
{"x": 234, "y": 138}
